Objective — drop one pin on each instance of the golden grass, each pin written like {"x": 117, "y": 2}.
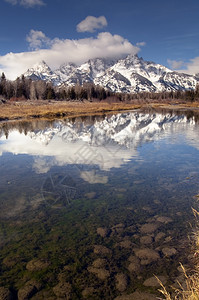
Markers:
{"x": 40, "y": 109}
{"x": 59, "y": 109}
{"x": 189, "y": 290}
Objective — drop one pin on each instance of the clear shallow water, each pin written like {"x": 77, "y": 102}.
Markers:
{"x": 93, "y": 207}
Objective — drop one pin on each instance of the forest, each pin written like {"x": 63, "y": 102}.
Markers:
{"x": 23, "y": 89}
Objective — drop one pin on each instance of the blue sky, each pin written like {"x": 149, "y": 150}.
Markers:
{"x": 59, "y": 31}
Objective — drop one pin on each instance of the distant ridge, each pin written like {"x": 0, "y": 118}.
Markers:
{"x": 131, "y": 74}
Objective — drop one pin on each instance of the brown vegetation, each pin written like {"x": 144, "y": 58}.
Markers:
{"x": 58, "y": 109}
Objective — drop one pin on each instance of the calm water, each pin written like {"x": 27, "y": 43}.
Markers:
{"x": 92, "y": 208}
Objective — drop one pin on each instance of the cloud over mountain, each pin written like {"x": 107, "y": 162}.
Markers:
{"x": 91, "y": 24}
{"x": 60, "y": 51}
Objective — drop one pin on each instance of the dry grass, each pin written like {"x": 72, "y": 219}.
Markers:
{"x": 40, "y": 109}
{"x": 189, "y": 290}
{"x": 59, "y": 109}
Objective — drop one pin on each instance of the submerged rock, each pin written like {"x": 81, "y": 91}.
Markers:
{"x": 44, "y": 294}
{"x": 90, "y": 195}
{"x": 169, "y": 251}
{"x": 101, "y": 273}
{"x": 153, "y": 281}
{"x": 149, "y": 227}
{"x": 159, "y": 236}
{"x": 147, "y": 255}
{"x": 37, "y": 265}
{"x": 146, "y": 239}
{"x": 134, "y": 265}
{"x": 179, "y": 213}
{"x": 137, "y": 296}
{"x": 63, "y": 290}
{"x": 147, "y": 208}
{"x": 120, "y": 225}
{"x": 126, "y": 244}
{"x": 11, "y": 261}
{"x": 164, "y": 220}
{"x": 29, "y": 290}
{"x": 102, "y": 231}
{"x": 99, "y": 249}
{"x": 99, "y": 263}
{"x": 180, "y": 281}
{"x": 121, "y": 282}
{"x": 121, "y": 190}
{"x": 157, "y": 201}
{"x": 168, "y": 239}
{"x": 118, "y": 228}
{"x": 87, "y": 292}
{"x": 5, "y": 294}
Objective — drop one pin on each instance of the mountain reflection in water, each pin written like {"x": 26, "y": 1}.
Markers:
{"x": 107, "y": 142}
{"x": 92, "y": 207}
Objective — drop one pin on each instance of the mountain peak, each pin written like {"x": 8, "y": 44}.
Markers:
{"x": 41, "y": 71}
{"x": 129, "y": 74}
{"x": 39, "y": 67}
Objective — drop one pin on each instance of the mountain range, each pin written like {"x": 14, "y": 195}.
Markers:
{"x": 130, "y": 74}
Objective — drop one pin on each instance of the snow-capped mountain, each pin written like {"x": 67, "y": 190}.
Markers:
{"x": 42, "y": 71}
{"x": 131, "y": 74}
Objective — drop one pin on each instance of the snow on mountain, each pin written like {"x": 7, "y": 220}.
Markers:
{"x": 197, "y": 76}
{"x": 65, "y": 71}
{"x": 139, "y": 76}
{"x": 131, "y": 74}
{"x": 132, "y": 64}
{"x": 71, "y": 74}
{"x": 42, "y": 71}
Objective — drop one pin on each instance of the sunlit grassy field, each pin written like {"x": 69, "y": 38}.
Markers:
{"x": 55, "y": 109}
{"x": 59, "y": 109}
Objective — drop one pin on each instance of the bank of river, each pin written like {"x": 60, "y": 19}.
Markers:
{"x": 59, "y": 109}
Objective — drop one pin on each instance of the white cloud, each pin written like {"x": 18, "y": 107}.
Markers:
{"x": 26, "y": 3}
{"x": 141, "y": 44}
{"x": 37, "y": 39}
{"x": 61, "y": 51}
{"x": 174, "y": 64}
{"x": 191, "y": 67}
{"x": 91, "y": 24}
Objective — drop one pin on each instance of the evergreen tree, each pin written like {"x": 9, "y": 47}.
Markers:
{"x": 83, "y": 94}
{"x": 71, "y": 93}
{"x": 3, "y": 85}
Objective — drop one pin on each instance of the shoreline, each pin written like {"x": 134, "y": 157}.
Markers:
{"x": 29, "y": 110}
{"x": 58, "y": 109}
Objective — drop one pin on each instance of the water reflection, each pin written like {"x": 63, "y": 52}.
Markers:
{"x": 90, "y": 202}
{"x": 107, "y": 142}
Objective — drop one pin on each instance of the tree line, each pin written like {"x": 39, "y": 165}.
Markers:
{"x": 26, "y": 89}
